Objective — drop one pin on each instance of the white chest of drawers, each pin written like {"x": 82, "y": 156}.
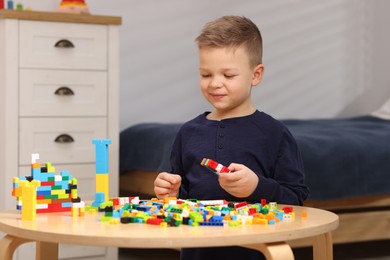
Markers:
{"x": 59, "y": 89}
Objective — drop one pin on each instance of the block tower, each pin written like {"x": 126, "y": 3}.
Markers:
{"x": 45, "y": 190}
{"x": 102, "y": 181}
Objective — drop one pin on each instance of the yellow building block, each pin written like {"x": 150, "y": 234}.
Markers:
{"x": 35, "y": 183}
{"x": 102, "y": 184}
{"x": 114, "y": 221}
{"x": 50, "y": 167}
{"x": 75, "y": 212}
{"x": 29, "y": 194}
{"x": 74, "y": 181}
{"x": 261, "y": 221}
{"x": 63, "y": 196}
{"x": 74, "y": 193}
{"x": 23, "y": 183}
{"x": 82, "y": 212}
{"x": 15, "y": 180}
{"x": 58, "y": 192}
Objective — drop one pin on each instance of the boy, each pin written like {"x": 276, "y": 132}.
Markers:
{"x": 260, "y": 152}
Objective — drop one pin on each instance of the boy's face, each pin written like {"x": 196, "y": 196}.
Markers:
{"x": 226, "y": 80}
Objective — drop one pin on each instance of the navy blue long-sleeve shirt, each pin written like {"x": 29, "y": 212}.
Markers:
{"x": 257, "y": 141}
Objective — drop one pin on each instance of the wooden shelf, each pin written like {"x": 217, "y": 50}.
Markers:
{"x": 60, "y": 17}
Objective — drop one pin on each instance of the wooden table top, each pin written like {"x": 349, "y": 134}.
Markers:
{"x": 60, "y": 17}
{"x": 88, "y": 230}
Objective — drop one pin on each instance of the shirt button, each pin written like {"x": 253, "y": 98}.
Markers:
{"x": 220, "y": 146}
{"x": 222, "y": 126}
{"x": 221, "y": 135}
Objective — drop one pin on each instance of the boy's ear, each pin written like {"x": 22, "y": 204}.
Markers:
{"x": 258, "y": 72}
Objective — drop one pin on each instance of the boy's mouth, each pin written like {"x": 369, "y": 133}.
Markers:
{"x": 217, "y": 96}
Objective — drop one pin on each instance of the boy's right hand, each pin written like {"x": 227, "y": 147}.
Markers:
{"x": 167, "y": 185}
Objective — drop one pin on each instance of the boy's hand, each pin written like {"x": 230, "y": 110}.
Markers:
{"x": 240, "y": 182}
{"x": 167, "y": 185}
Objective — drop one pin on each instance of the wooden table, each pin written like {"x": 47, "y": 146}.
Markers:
{"x": 50, "y": 229}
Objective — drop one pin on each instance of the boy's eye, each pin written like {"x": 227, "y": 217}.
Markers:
{"x": 205, "y": 75}
{"x": 229, "y": 76}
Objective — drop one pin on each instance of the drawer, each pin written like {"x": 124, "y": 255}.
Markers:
{"x": 84, "y": 173}
{"x": 60, "y": 140}
{"x": 62, "y": 45}
{"x": 62, "y": 93}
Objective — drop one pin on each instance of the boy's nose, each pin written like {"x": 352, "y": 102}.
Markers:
{"x": 216, "y": 82}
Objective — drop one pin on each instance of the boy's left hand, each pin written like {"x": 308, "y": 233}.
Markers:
{"x": 240, "y": 182}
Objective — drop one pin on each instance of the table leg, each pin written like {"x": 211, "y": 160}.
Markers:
{"x": 274, "y": 251}
{"x": 323, "y": 247}
{"x": 8, "y": 245}
{"x": 46, "y": 250}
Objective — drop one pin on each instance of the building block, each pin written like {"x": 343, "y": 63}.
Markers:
{"x": 101, "y": 155}
{"x": 102, "y": 178}
{"x": 30, "y": 199}
{"x": 214, "y": 166}
{"x": 34, "y": 158}
{"x": 273, "y": 206}
{"x": 50, "y": 168}
{"x": 10, "y": 5}
{"x": 99, "y": 199}
{"x": 102, "y": 181}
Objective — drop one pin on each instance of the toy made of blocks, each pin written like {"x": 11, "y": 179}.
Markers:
{"x": 214, "y": 166}
{"x": 73, "y": 6}
{"x": 102, "y": 178}
{"x": 53, "y": 192}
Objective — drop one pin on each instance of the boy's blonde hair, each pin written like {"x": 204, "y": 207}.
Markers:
{"x": 233, "y": 32}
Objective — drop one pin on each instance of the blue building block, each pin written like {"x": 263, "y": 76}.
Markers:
{"x": 43, "y": 192}
{"x": 66, "y": 204}
{"x": 10, "y": 4}
{"x": 64, "y": 184}
{"x": 117, "y": 213}
{"x": 66, "y": 174}
{"x": 43, "y": 188}
{"x": 99, "y": 199}
{"x": 143, "y": 208}
{"x": 41, "y": 176}
{"x": 35, "y": 172}
{"x": 211, "y": 223}
{"x": 216, "y": 219}
{"x": 101, "y": 155}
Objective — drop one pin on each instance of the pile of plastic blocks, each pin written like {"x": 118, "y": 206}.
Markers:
{"x": 176, "y": 212}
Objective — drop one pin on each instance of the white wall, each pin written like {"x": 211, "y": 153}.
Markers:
{"x": 323, "y": 58}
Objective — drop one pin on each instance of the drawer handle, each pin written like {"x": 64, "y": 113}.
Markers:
{"x": 64, "y": 139}
{"x": 64, "y": 43}
{"x": 64, "y": 91}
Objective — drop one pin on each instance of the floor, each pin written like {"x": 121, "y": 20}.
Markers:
{"x": 379, "y": 250}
